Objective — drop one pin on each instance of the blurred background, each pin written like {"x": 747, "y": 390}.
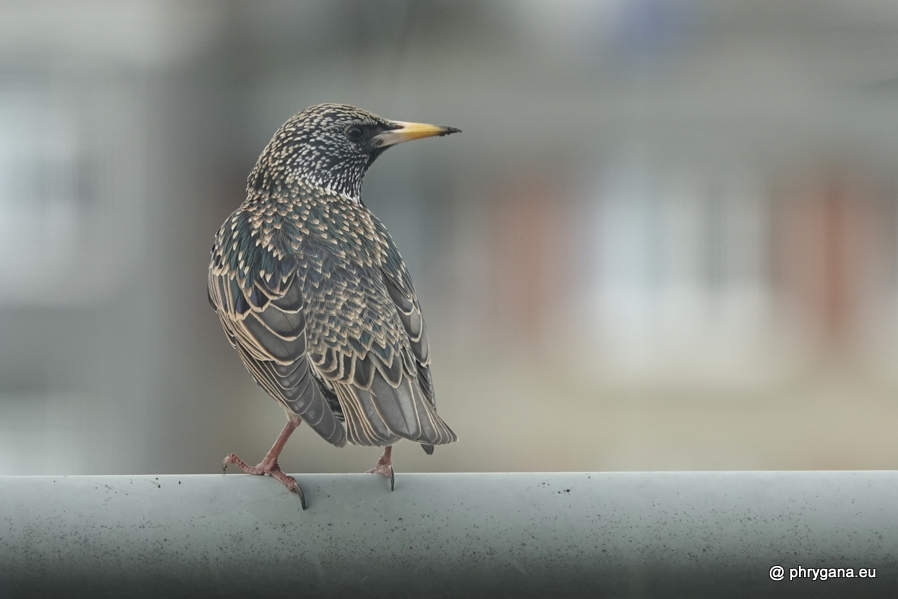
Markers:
{"x": 666, "y": 239}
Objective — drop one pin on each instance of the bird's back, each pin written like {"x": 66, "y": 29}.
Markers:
{"x": 314, "y": 295}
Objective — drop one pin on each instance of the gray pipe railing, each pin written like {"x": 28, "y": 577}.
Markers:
{"x": 689, "y": 534}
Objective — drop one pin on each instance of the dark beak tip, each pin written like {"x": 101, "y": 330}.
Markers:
{"x": 451, "y": 130}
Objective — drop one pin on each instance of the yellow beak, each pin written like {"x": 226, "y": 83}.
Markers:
{"x": 409, "y": 131}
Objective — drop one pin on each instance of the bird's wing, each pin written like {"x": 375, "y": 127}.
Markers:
{"x": 265, "y": 322}
{"x": 399, "y": 286}
{"x": 402, "y": 292}
{"x": 373, "y": 350}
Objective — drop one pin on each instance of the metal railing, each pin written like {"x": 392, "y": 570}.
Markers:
{"x": 685, "y": 534}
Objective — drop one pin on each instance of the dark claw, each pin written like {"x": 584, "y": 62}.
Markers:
{"x": 392, "y": 479}
{"x": 302, "y": 498}
{"x": 224, "y": 467}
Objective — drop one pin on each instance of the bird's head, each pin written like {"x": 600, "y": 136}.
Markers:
{"x": 332, "y": 145}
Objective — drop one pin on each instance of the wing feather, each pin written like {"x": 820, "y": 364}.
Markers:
{"x": 270, "y": 337}
{"x": 386, "y": 392}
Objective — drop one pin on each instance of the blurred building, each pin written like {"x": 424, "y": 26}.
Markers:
{"x": 665, "y": 240}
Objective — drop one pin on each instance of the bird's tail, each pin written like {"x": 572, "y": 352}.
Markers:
{"x": 382, "y": 414}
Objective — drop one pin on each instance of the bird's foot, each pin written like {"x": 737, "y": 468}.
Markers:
{"x": 384, "y": 466}
{"x": 269, "y": 467}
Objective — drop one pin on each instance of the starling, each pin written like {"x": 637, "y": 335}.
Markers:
{"x": 314, "y": 296}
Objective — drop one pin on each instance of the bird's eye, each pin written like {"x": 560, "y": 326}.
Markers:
{"x": 355, "y": 133}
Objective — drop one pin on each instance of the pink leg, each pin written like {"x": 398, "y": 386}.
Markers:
{"x": 269, "y": 465}
{"x": 385, "y": 465}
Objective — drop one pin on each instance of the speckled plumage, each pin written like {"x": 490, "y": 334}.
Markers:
{"x": 312, "y": 292}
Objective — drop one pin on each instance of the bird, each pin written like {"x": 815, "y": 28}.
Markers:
{"x": 312, "y": 292}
